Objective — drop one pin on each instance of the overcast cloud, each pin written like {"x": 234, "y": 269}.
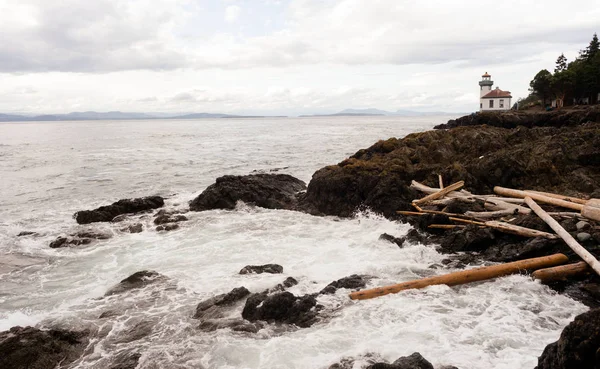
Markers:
{"x": 279, "y": 57}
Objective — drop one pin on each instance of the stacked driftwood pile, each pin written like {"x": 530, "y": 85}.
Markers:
{"x": 500, "y": 210}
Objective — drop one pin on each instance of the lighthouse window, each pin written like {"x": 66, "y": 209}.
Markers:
{"x": 501, "y": 103}
{"x": 491, "y": 103}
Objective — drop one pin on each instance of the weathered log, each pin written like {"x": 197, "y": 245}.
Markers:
{"x": 557, "y": 196}
{"x": 592, "y": 209}
{"x": 543, "y": 198}
{"x": 465, "y": 276}
{"x": 441, "y": 181}
{"x": 570, "y": 241}
{"x": 509, "y": 228}
{"x": 446, "y": 226}
{"x": 440, "y": 193}
{"x": 409, "y": 213}
{"x": 489, "y": 214}
{"x": 561, "y": 272}
{"x": 496, "y": 204}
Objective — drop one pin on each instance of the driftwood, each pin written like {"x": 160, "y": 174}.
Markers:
{"x": 439, "y": 193}
{"x": 561, "y": 272}
{"x": 509, "y": 228}
{"x": 440, "y": 181}
{"x": 465, "y": 276}
{"x": 446, "y": 226}
{"x": 570, "y": 241}
{"x": 543, "y": 198}
{"x": 557, "y": 196}
{"x": 410, "y": 213}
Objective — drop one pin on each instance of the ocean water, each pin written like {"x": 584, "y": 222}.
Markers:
{"x": 50, "y": 170}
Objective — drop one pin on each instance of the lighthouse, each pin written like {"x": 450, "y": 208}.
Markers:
{"x": 492, "y": 99}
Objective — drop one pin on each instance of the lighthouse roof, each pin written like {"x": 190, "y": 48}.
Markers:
{"x": 496, "y": 93}
{"x": 486, "y": 75}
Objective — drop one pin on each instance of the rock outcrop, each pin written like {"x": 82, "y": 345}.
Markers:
{"x": 282, "y": 307}
{"x": 271, "y": 191}
{"x": 258, "y": 269}
{"x": 561, "y": 160}
{"x": 414, "y": 361}
{"x": 578, "y": 345}
{"x": 354, "y": 281}
{"x": 33, "y": 348}
{"x": 126, "y": 206}
{"x": 513, "y": 119}
{"x": 137, "y": 280}
{"x": 79, "y": 238}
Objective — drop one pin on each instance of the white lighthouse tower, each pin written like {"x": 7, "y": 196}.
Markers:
{"x": 492, "y": 100}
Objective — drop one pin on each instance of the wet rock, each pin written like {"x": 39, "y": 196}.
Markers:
{"x": 162, "y": 219}
{"x": 69, "y": 241}
{"x": 167, "y": 227}
{"x": 354, "y": 281}
{"x": 126, "y": 360}
{"x": 399, "y": 241}
{"x": 125, "y": 206}
{"x": 414, "y": 361}
{"x": 137, "y": 332}
{"x": 289, "y": 282}
{"x": 27, "y": 233}
{"x": 350, "y": 362}
{"x": 133, "y": 228}
{"x": 257, "y": 269}
{"x": 282, "y": 307}
{"x": 578, "y": 345}
{"x": 137, "y": 280}
{"x": 236, "y": 325}
{"x": 32, "y": 348}
{"x": 471, "y": 238}
{"x": 583, "y": 236}
{"x": 271, "y": 191}
{"x": 210, "y": 308}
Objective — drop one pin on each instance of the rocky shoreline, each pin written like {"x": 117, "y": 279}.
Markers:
{"x": 553, "y": 152}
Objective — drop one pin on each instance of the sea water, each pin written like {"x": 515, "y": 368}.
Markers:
{"x": 50, "y": 170}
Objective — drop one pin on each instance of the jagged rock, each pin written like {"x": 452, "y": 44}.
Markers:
{"x": 236, "y": 325}
{"x": 257, "y": 269}
{"x": 513, "y": 119}
{"x": 354, "y": 281}
{"x": 27, "y": 233}
{"x": 544, "y": 159}
{"x": 136, "y": 280}
{"x": 287, "y": 283}
{"x": 414, "y": 361}
{"x": 209, "y": 308}
{"x": 133, "y": 228}
{"x": 32, "y": 348}
{"x": 399, "y": 241}
{"x": 167, "y": 227}
{"x": 162, "y": 219}
{"x": 125, "y": 206}
{"x": 271, "y": 191}
{"x": 79, "y": 238}
{"x": 578, "y": 345}
{"x": 282, "y": 307}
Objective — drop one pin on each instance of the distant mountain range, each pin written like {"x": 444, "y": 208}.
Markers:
{"x": 377, "y": 112}
{"x": 117, "y": 115}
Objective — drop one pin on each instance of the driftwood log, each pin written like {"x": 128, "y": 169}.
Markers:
{"x": 465, "y": 276}
{"x": 561, "y": 272}
{"x": 509, "y": 228}
{"x": 439, "y": 193}
{"x": 566, "y": 236}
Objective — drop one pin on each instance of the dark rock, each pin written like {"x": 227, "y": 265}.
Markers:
{"x": 167, "y": 227}
{"x": 282, "y": 307}
{"x": 162, "y": 219}
{"x": 257, "y": 269}
{"x": 471, "y": 238}
{"x": 354, "y": 281}
{"x": 69, "y": 241}
{"x": 289, "y": 282}
{"x": 578, "y": 345}
{"x": 27, "y": 233}
{"x": 379, "y": 177}
{"x": 399, "y": 241}
{"x": 32, "y": 348}
{"x": 236, "y": 325}
{"x": 126, "y": 360}
{"x": 126, "y": 206}
{"x": 582, "y": 226}
{"x": 208, "y": 307}
{"x": 414, "y": 361}
{"x": 271, "y": 191}
{"x": 513, "y": 119}
{"x": 137, "y": 332}
{"x": 133, "y": 228}
{"x": 135, "y": 281}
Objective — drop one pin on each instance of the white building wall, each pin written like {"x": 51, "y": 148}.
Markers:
{"x": 485, "y": 104}
{"x": 484, "y": 90}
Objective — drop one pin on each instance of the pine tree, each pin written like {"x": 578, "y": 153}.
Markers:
{"x": 561, "y": 63}
{"x": 592, "y": 50}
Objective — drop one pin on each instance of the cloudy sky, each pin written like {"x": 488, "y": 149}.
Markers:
{"x": 277, "y": 56}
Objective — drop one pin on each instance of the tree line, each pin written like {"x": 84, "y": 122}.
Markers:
{"x": 576, "y": 82}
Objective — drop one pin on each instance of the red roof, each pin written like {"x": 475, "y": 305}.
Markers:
{"x": 496, "y": 93}
{"x": 486, "y": 75}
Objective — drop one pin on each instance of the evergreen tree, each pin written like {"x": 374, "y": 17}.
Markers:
{"x": 561, "y": 63}
{"x": 592, "y": 49}
{"x": 541, "y": 85}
